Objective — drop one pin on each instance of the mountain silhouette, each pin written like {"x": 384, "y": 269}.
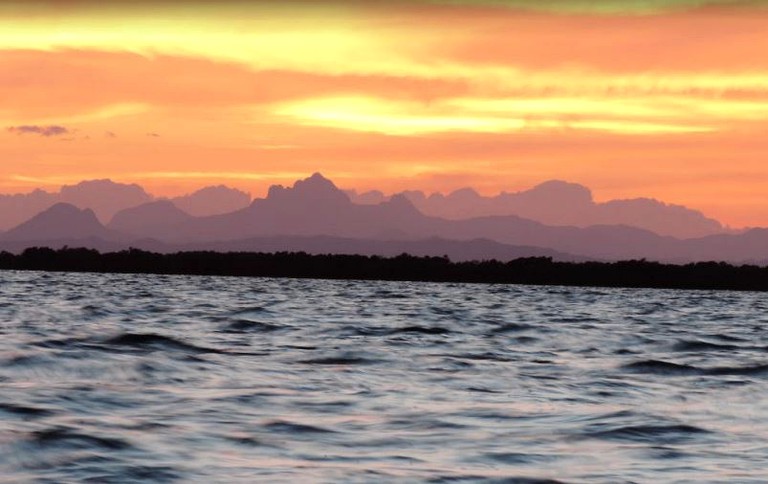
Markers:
{"x": 315, "y": 207}
{"x": 15, "y": 209}
{"x": 158, "y": 219}
{"x": 212, "y": 201}
{"x": 552, "y": 203}
{"x": 104, "y": 197}
{"x": 558, "y": 202}
{"x": 61, "y": 221}
{"x": 313, "y": 214}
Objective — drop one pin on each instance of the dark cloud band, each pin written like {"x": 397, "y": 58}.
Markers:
{"x": 51, "y": 130}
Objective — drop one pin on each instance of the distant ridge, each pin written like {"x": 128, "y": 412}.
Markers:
{"x": 106, "y": 198}
{"x": 158, "y": 219}
{"x": 318, "y": 212}
{"x": 61, "y": 221}
{"x": 213, "y": 200}
{"x": 556, "y": 202}
{"x": 553, "y": 202}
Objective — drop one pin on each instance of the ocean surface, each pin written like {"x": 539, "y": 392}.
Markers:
{"x": 136, "y": 378}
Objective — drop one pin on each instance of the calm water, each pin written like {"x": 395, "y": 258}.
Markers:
{"x": 121, "y": 378}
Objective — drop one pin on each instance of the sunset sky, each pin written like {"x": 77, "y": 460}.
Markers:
{"x": 665, "y": 99}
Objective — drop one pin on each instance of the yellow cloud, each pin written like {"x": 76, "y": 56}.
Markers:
{"x": 372, "y": 115}
{"x": 479, "y": 116}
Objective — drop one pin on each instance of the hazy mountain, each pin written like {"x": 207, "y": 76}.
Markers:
{"x": 313, "y": 206}
{"x": 104, "y": 197}
{"x": 314, "y": 215}
{"x": 213, "y": 201}
{"x": 561, "y": 203}
{"x": 316, "y": 207}
{"x": 159, "y": 219}
{"x": 61, "y": 221}
{"x": 15, "y": 209}
{"x": 551, "y": 203}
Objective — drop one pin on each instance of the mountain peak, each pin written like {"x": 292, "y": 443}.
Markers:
{"x": 103, "y": 184}
{"x": 63, "y": 209}
{"x": 464, "y": 195}
{"x": 315, "y": 189}
{"x": 316, "y": 181}
{"x": 565, "y": 192}
{"x": 158, "y": 217}
{"x": 401, "y": 203}
{"x": 104, "y": 196}
{"x": 61, "y": 221}
{"x": 213, "y": 200}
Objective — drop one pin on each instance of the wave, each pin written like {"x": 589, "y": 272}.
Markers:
{"x": 512, "y": 328}
{"x": 675, "y": 433}
{"x": 658, "y": 367}
{"x": 147, "y": 342}
{"x": 284, "y": 426}
{"x": 428, "y": 330}
{"x": 248, "y": 326}
{"x": 517, "y": 458}
{"x": 699, "y": 345}
{"x": 25, "y": 411}
{"x": 67, "y": 437}
{"x": 340, "y": 360}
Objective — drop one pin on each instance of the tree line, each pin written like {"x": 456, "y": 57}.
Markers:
{"x": 529, "y": 270}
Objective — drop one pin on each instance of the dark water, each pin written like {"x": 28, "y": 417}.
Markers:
{"x": 113, "y": 378}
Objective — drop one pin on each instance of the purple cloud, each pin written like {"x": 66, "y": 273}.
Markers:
{"x": 51, "y": 130}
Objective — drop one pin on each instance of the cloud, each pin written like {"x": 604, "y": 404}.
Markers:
{"x": 607, "y": 7}
{"x": 501, "y": 116}
{"x": 46, "y": 131}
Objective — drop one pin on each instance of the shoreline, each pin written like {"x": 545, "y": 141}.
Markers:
{"x": 528, "y": 271}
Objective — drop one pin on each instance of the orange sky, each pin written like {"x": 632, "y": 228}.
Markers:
{"x": 658, "y": 98}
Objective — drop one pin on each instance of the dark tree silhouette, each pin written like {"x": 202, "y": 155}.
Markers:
{"x": 531, "y": 270}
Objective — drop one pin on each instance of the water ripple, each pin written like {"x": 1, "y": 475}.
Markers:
{"x": 131, "y": 378}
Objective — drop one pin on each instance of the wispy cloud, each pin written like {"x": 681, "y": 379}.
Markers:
{"x": 47, "y": 131}
{"x": 606, "y": 7}
{"x": 492, "y": 116}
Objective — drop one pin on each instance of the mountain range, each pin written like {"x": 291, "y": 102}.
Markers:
{"x": 315, "y": 216}
{"x": 106, "y": 198}
{"x": 557, "y": 202}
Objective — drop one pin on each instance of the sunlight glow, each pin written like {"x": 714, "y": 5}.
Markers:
{"x": 411, "y": 119}
{"x": 657, "y": 98}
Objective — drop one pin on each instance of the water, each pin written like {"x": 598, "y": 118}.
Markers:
{"x": 131, "y": 378}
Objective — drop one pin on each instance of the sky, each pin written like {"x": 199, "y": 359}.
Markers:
{"x": 666, "y": 99}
